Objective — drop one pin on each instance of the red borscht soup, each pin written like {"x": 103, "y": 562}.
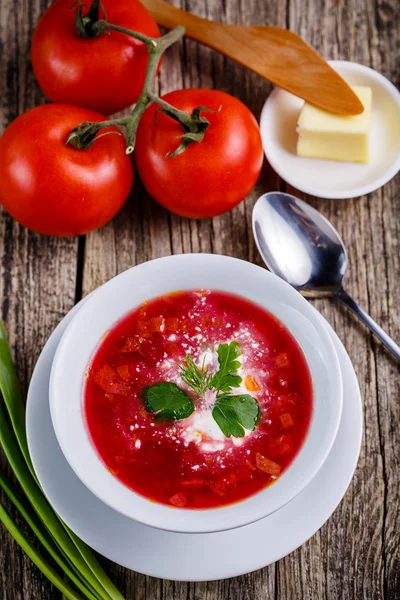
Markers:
{"x": 198, "y": 399}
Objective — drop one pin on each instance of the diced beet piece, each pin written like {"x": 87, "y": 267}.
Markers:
{"x": 291, "y": 398}
{"x": 131, "y": 344}
{"x": 219, "y": 487}
{"x": 178, "y": 500}
{"x": 286, "y": 421}
{"x": 282, "y": 360}
{"x": 146, "y": 335}
{"x": 143, "y": 326}
{"x": 266, "y": 465}
{"x": 171, "y": 324}
{"x": 124, "y": 372}
{"x": 156, "y": 325}
{"x": 108, "y": 379}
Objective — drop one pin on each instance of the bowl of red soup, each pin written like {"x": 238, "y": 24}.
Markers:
{"x": 196, "y": 393}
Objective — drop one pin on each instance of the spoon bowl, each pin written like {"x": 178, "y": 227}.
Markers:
{"x": 300, "y": 245}
{"x": 286, "y": 228}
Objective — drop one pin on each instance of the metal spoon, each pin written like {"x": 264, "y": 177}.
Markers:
{"x": 299, "y": 244}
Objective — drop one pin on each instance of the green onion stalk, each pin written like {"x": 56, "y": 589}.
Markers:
{"x": 74, "y": 559}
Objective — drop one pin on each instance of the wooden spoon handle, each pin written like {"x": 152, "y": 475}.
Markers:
{"x": 197, "y": 28}
{"x": 279, "y": 55}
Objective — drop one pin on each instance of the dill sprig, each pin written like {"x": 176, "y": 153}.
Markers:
{"x": 196, "y": 378}
{"x": 200, "y": 379}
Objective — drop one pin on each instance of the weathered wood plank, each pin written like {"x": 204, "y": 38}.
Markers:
{"x": 37, "y": 276}
{"x": 360, "y": 540}
{"x": 384, "y": 291}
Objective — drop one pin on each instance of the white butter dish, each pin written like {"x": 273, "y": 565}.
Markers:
{"x": 331, "y": 178}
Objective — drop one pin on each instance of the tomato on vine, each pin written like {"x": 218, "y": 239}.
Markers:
{"x": 105, "y": 73}
{"x": 51, "y": 187}
{"x": 210, "y": 176}
{"x": 66, "y": 170}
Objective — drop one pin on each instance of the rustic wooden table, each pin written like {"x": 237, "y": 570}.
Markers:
{"x": 356, "y": 553}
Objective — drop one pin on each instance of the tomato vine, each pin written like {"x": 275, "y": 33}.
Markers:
{"x": 194, "y": 125}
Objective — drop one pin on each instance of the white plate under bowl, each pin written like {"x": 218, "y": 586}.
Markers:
{"x": 331, "y": 178}
{"x": 186, "y": 557}
{"x": 184, "y": 272}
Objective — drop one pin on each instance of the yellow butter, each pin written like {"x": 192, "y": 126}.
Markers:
{"x": 326, "y": 135}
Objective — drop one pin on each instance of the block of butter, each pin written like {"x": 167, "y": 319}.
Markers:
{"x": 326, "y": 135}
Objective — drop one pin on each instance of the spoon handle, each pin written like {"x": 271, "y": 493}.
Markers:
{"x": 374, "y": 327}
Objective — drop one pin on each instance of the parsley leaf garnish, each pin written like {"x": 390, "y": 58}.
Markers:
{"x": 197, "y": 379}
{"x": 200, "y": 379}
{"x": 234, "y": 414}
{"x": 167, "y": 401}
{"x": 225, "y": 378}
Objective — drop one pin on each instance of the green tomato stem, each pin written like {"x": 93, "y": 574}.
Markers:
{"x": 194, "y": 126}
{"x": 102, "y": 26}
{"x": 94, "y": 10}
{"x": 82, "y": 136}
{"x": 155, "y": 49}
{"x": 180, "y": 115}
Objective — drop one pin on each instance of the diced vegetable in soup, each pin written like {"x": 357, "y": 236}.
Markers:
{"x": 198, "y": 399}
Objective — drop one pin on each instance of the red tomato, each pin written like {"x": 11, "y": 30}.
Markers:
{"x": 52, "y": 188}
{"x": 106, "y": 73}
{"x": 210, "y": 177}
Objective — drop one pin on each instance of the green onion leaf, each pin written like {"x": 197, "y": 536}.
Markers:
{"x": 89, "y": 575}
{"x": 10, "y": 391}
{"x": 43, "y": 536}
{"x": 36, "y": 558}
{"x": 41, "y": 506}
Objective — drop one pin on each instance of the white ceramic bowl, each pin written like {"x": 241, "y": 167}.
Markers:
{"x": 331, "y": 178}
{"x": 192, "y": 271}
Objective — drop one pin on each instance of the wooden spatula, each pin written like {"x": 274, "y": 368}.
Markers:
{"x": 277, "y": 54}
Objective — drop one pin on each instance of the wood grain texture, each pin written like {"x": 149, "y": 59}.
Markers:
{"x": 356, "y": 554}
{"x": 37, "y": 274}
